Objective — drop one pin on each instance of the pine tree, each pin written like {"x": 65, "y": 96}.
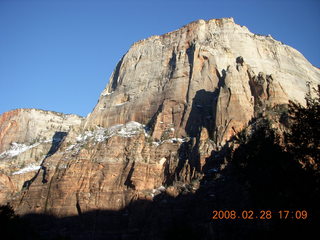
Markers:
{"x": 303, "y": 140}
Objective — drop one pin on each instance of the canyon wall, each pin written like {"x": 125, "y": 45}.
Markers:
{"x": 171, "y": 102}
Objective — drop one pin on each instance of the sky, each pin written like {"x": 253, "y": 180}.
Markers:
{"x": 58, "y": 55}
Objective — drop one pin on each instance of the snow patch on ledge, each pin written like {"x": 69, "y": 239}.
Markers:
{"x": 101, "y": 134}
{"x": 16, "y": 149}
{"x": 130, "y": 129}
{"x": 120, "y": 104}
{"x": 175, "y": 140}
{"x": 106, "y": 93}
{"x": 27, "y": 169}
{"x": 156, "y": 191}
{"x": 171, "y": 140}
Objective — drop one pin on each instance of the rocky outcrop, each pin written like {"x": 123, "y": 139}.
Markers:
{"x": 242, "y": 96}
{"x": 27, "y": 137}
{"x": 29, "y": 125}
{"x": 171, "y": 102}
{"x": 110, "y": 170}
{"x": 6, "y": 188}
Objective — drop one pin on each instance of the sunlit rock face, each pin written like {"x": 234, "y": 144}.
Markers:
{"x": 26, "y": 138}
{"x": 171, "y": 101}
{"x": 163, "y": 79}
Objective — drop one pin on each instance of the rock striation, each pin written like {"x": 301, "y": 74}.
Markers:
{"x": 27, "y": 137}
{"x": 160, "y": 78}
{"x": 171, "y": 101}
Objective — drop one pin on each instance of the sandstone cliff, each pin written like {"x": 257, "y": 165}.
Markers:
{"x": 170, "y": 102}
{"x": 174, "y": 81}
{"x": 27, "y": 137}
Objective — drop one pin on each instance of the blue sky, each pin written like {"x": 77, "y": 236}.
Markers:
{"x": 58, "y": 55}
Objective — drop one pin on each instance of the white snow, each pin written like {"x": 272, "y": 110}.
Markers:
{"x": 70, "y": 147}
{"x": 29, "y": 168}
{"x": 158, "y": 190}
{"x": 101, "y": 134}
{"x": 120, "y": 104}
{"x": 123, "y": 130}
{"x": 107, "y": 94}
{"x": 162, "y": 161}
{"x": 129, "y": 129}
{"x": 156, "y": 143}
{"x": 17, "y": 148}
{"x": 85, "y": 136}
{"x": 173, "y": 140}
{"x": 161, "y": 188}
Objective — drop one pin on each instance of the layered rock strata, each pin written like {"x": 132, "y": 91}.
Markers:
{"x": 27, "y": 138}
{"x": 170, "y": 103}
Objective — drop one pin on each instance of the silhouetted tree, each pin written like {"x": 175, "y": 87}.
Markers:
{"x": 273, "y": 179}
{"x": 6, "y": 214}
{"x": 12, "y": 226}
{"x": 279, "y": 174}
{"x": 303, "y": 140}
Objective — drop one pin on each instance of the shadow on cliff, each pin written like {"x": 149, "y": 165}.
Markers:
{"x": 188, "y": 216}
{"x": 202, "y": 117}
{"x": 260, "y": 176}
{"x": 202, "y": 114}
{"x": 57, "y": 140}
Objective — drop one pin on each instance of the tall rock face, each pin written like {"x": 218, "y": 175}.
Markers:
{"x": 161, "y": 80}
{"x": 171, "y": 102}
{"x": 29, "y": 125}
{"x": 27, "y": 137}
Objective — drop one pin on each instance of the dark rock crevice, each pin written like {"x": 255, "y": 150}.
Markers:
{"x": 57, "y": 140}
{"x": 172, "y": 64}
{"x": 115, "y": 79}
{"x": 191, "y": 58}
{"x": 128, "y": 182}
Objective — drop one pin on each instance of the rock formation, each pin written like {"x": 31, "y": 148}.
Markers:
{"x": 161, "y": 78}
{"x": 170, "y": 102}
{"x": 27, "y": 137}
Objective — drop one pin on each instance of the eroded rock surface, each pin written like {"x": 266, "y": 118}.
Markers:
{"x": 27, "y": 137}
{"x": 161, "y": 80}
{"x": 170, "y": 103}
